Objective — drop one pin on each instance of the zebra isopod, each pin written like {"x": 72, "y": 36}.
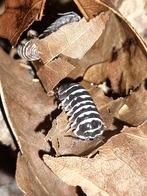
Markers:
{"x": 84, "y": 118}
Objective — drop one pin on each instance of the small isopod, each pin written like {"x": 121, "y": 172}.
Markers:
{"x": 84, "y": 118}
{"x": 28, "y": 50}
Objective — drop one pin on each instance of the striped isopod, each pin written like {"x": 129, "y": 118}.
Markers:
{"x": 84, "y": 118}
{"x": 65, "y": 18}
{"x": 28, "y": 50}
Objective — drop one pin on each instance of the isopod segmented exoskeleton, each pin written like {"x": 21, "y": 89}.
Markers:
{"x": 65, "y": 18}
{"x": 28, "y": 50}
{"x": 84, "y": 118}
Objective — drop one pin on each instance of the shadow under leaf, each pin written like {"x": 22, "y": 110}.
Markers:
{"x": 119, "y": 126}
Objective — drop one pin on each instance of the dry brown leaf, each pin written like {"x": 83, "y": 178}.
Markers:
{"x": 94, "y": 7}
{"x": 120, "y": 167}
{"x": 135, "y": 12}
{"x": 129, "y": 110}
{"x": 102, "y": 49}
{"x": 27, "y": 108}
{"x": 70, "y": 39}
{"x": 125, "y": 72}
{"x": 90, "y": 8}
{"x": 53, "y": 72}
{"x": 18, "y": 16}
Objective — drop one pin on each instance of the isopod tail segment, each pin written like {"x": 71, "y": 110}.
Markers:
{"x": 84, "y": 119}
{"x": 28, "y": 50}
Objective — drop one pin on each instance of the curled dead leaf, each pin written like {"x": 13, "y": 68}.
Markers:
{"x": 135, "y": 12}
{"x": 125, "y": 72}
{"x": 119, "y": 168}
{"x": 53, "y": 72}
{"x": 103, "y": 4}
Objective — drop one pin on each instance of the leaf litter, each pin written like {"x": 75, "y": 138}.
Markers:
{"x": 113, "y": 56}
{"x": 25, "y": 112}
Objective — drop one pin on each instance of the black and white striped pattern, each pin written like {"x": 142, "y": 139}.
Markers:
{"x": 84, "y": 119}
{"x": 65, "y": 18}
{"x": 28, "y": 50}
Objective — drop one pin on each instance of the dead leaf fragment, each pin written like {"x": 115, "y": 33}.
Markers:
{"x": 70, "y": 39}
{"x": 135, "y": 12}
{"x": 22, "y": 15}
{"x": 136, "y": 108}
{"x": 53, "y": 72}
{"x": 125, "y": 72}
{"x": 97, "y": 5}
